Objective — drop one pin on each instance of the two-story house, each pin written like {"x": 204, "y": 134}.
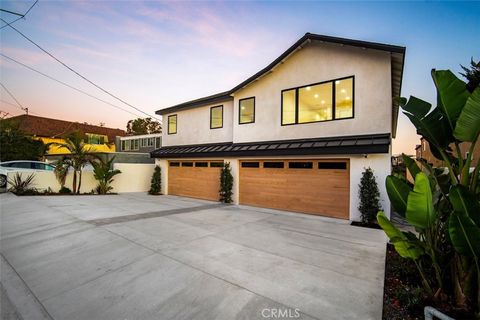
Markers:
{"x": 298, "y": 134}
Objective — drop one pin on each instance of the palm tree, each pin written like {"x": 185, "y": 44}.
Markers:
{"x": 103, "y": 172}
{"x": 79, "y": 156}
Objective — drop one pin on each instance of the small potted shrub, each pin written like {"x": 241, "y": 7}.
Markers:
{"x": 156, "y": 182}
{"x": 369, "y": 199}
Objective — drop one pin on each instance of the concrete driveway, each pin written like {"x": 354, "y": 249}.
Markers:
{"x": 134, "y": 256}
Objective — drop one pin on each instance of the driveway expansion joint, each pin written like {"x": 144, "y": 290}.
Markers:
{"x": 149, "y": 215}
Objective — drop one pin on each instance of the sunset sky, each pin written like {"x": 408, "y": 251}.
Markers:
{"x": 155, "y": 54}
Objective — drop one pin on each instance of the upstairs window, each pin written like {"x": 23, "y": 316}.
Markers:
{"x": 324, "y": 101}
{"x": 95, "y": 138}
{"x": 246, "y": 110}
{"x": 172, "y": 124}
{"x": 216, "y": 117}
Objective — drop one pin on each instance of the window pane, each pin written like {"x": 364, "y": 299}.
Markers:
{"x": 288, "y": 106}
{"x": 172, "y": 124}
{"x": 174, "y": 164}
{"x": 273, "y": 165}
{"x": 332, "y": 165}
{"x": 158, "y": 142}
{"x": 216, "y": 117}
{"x": 300, "y": 165}
{"x": 250, "y": 164}
{"x": 216, "y": 164}
{"x": 247, "y": 110}
{"x": 344, "y": 98}
{"x": 201, "y": 164}
{"x": 187, "y": 164}
{"x": 315, "y": 103}
{"x": 136, "y": 144}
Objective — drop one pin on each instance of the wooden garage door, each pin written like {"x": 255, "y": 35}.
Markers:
{"x": 320, "y": 187}
{"x": 196, "y": 179}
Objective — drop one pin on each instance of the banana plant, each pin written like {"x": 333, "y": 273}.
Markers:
{"x": 443, "y": 204}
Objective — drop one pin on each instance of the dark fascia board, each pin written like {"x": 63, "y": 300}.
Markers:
{"x": 219, "y": 97}
{"x": 308, "y": 36}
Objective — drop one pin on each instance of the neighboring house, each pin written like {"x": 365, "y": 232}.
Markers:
{"x": 98, "y": 139}
{"x": 144, "y": 143}
{"x": 298, "y": 134}
{"x": 423, "y": 151}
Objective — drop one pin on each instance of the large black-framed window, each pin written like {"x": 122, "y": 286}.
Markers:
{"x": 216, "y": 117}
{"x": 172, "y": 124}
{"x": 318, "y": 102}
{"x": 246, "y": 110}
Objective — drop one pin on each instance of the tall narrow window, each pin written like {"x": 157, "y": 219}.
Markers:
{"x": 288, "y": 106}
{"x": 315, "y": 103}
{"x": 343, "y": 98}
{"x": 172, "y": 124}
{"x": 216, "y": 117}
{"x": 246, "y": 110}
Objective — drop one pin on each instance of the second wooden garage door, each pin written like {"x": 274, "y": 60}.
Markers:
{"x": 320, "y": 187}
{"x": 196, "y": 179}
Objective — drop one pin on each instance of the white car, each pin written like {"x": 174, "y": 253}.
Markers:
{"x": 21, "y": 165}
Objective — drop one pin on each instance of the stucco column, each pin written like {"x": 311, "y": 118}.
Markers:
{"x": 163, "y": 164}
{"x": 234, "y": 165}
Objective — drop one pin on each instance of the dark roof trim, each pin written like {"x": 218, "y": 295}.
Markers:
{"x": 223, "y": 96}
{"x": 219, "y": 97}
{"x": 377, "y": 143}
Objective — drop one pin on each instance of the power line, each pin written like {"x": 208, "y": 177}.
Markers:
{"x": 67, "y": 85}
{"x": 77, "y": 73}
{"x": 21, "y": 16}
{"x": 13, "y": 97}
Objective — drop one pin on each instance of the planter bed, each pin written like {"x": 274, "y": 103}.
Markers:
{"x": 365, "y": 225}
{"x": 403, "y": 297}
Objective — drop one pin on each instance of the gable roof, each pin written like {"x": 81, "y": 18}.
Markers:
{"x": 55, "y": 128}
{"x": 397, "y": 64}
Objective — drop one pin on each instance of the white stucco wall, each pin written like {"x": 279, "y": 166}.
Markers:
{"x": 193, "y": 126}
{"x": 135, "y": 177}
{"x": 316, "y": 63}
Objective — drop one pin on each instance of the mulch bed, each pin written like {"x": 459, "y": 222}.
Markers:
{"x": 365, "y": 225}
{"x": 403, "y": 297}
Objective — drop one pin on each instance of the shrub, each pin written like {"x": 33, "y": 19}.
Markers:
{"x": 22, "y": 186}
{"x": 369, "y": 197}
{"x": 104, "y": 173}
{"x": 156, "y": 182}
{"x": 64, "y": 190}
{"x": 226, "y": 184}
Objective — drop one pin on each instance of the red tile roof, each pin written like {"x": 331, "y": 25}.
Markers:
{"x": 54, "y": 128}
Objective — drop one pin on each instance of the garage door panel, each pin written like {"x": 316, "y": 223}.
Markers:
{"x": 195, "y": 182}
{"x": 313, "y": 191}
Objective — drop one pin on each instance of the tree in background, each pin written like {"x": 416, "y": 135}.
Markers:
{"x": 369, "y": 197}
{"x": 226, "y": 184}
{"x": 472, "y": 75}
{"x": 156, "y": 182}
{"x": 16, "y": 145}
{"x": 143, "y": 126}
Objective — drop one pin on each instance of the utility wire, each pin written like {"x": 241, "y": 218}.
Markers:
{"x": 21, "y": 17}
{"x": 77, "y": 73}
{"x": 13, "y": 97}
{"x": 68, "y": 85}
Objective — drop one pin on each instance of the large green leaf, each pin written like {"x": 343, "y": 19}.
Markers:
{"x": 432, "y": 127}
{"x": 406, "y": 248}
{"x": 465, "y": 201}
{"x": 452, "y": 94}
{"x": 416, "y": 106}
{"x": 411, "y": 165}
{"x": 397, "y": 191}
{"x": 465, "y": 234}
{"x": 420, "y": 210}
{"x": 468, "y": 123}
